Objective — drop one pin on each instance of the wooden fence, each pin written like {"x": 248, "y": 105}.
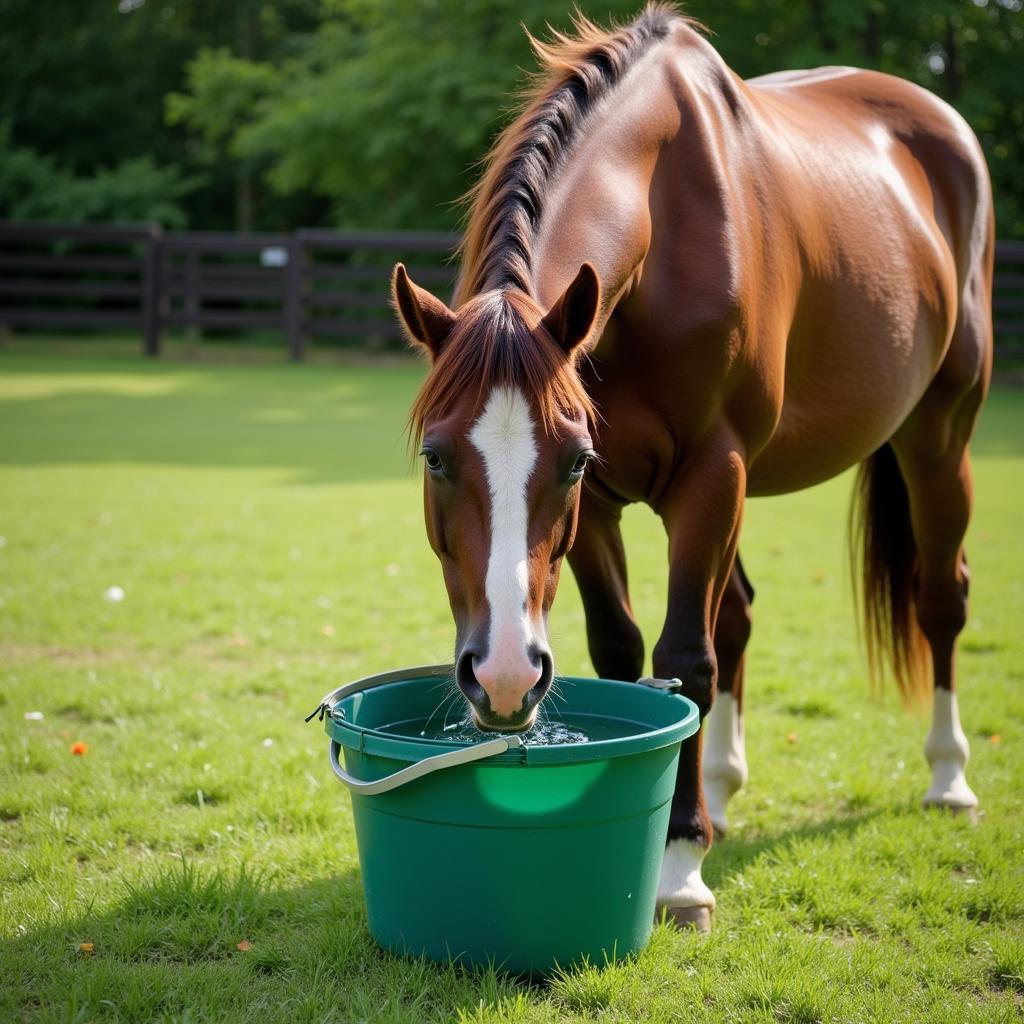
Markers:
{"x": 303, "y": 285}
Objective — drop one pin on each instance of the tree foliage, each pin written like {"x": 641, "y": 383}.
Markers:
{"x": 361, "y": 113}
{"x": 35, "y": 187}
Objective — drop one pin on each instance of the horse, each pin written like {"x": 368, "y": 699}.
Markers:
{"x": 681, "y": 288}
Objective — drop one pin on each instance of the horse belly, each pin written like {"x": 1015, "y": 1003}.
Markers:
{"x": 845, "y": 396}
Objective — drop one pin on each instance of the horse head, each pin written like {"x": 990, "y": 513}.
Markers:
{"x": 505, "y": 431}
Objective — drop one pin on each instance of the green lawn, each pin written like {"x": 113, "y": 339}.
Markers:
{"x": 264, "y": 523}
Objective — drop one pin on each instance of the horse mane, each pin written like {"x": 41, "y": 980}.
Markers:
{"x": 497, "y": 340}
{"x": 498, "y": 337}
{"x": 576, "y": 73}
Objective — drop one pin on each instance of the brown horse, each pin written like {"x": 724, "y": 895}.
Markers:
{"x": 681, "y": 288}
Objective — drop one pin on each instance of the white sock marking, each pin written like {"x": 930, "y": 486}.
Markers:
{"x": 503, "y": 434}
{"x": 947, "y": 752}
{"x": 681, "y": 884}
{"x": 724, "y": 761}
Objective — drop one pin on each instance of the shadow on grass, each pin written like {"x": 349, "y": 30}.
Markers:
{"x": 171, "y": 951}
{"x": 322, "y": 424}
{"x": 731, "y": 855}
{"x": 170, "y": 948}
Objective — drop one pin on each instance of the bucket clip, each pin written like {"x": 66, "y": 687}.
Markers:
{"x": 665, "y": 685}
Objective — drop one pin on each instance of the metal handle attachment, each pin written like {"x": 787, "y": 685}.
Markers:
{"x": 666, "y": 685}
{"x": 464, "y": 755}
{"x": 326, "y": 706}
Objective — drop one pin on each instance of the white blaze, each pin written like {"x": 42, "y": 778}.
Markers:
{"x": 504, "y": 436}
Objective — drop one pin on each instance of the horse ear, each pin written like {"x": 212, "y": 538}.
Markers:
{"x": 571, "y": 318}
{"x": 426, "y": 319}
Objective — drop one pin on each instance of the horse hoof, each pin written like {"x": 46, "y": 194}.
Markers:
{"x": 684, "y": 918}
{"x": 970, "y": 812}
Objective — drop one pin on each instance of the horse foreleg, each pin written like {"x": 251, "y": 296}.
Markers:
{"x": 724, "y": 761}
{"x": 598, "y": 561}
{"x": 701, "y": 511}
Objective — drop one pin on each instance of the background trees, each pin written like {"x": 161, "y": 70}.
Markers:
{"x": 369, "y": 113}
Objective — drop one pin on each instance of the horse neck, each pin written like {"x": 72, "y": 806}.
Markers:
{"x": 596, "y": 208}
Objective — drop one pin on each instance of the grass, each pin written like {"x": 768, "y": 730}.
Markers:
{"x": 264, "y": 524}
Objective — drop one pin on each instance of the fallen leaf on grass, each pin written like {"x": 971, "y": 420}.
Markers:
{"x": 86, "y": 948}
{"x": 244, "y": 946}
{"x": 995, "y": 739}
{"x": 791, "y": 737}
{"x": 79, "y": 749}
{"x": 327, "y": 630}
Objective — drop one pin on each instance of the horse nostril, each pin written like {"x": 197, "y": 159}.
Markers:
{"x": 537, "y": 692}
{"x": 466, "y": 679}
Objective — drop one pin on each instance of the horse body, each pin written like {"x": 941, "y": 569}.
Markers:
{"x": 785, "y": 251}
{"x": 794, "y": 278}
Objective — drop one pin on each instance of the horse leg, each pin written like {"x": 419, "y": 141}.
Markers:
{"x": 598, "y": 561}
{"x": 933, "y": 456}
{"x": 701, "y": 511}
{"x": 724, "y": 762}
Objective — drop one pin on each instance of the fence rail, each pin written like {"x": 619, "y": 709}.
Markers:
{"x": 305, "y": 284}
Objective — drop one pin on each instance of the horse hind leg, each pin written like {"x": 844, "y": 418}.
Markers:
{"x": 933, "y": 455}
{"x": 723, "y": 759}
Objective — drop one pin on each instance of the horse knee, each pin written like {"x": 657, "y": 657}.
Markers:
{"x": 695, "y": 667}
{"x": 618, "y": 653}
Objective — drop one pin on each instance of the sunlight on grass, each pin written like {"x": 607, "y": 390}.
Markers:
{"x": 264, "y": 525}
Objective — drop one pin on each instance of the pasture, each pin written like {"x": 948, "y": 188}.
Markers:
{"x": 197, "y": 862}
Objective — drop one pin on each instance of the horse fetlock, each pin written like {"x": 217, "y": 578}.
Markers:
{"x": 683, "y": 898}
{"x": 718, "y": 791}
{"x": 724, "y": 762}
{"x": 947, "y": 752}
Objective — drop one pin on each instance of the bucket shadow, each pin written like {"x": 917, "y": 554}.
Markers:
{"x": 191, "y": 945}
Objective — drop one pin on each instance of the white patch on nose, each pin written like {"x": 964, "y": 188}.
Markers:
{"x": 504, "y": 436}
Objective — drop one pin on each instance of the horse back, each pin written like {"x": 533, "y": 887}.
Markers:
{"x": 851, "y": 210}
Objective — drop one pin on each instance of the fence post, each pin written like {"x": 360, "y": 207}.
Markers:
{"x": 152, "y": 291}
{"x": 295, "y": 312}
{"x": 191, "y": 304}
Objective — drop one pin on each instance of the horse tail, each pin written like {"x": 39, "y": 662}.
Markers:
{"x": 880, "y": 527}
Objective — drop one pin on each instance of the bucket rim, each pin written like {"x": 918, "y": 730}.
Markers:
{"x": 376, "y": 742}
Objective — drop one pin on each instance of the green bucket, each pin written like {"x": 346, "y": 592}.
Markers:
{"x": 502, "y": 852}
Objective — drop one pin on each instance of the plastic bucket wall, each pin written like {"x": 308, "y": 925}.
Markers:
{"x": 539, "y": 856}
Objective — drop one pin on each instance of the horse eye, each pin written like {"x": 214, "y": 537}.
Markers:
{"x": 432, "y": 459}
{"x": 580, "y": 464}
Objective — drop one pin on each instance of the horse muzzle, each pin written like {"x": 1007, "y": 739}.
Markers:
{"x": 504, "y": 696}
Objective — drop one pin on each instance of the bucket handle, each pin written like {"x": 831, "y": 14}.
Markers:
{"x": 326, "y": 706}
{"x": 450, "y": 759}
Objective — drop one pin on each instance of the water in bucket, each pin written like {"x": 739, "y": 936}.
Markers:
{"x": 548, "y": 730}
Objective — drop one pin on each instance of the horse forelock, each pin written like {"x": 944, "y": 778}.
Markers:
{"x": 499, "y": 340}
